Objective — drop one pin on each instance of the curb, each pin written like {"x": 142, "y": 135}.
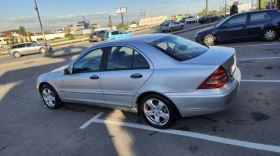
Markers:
{"x": 70, "y": 54}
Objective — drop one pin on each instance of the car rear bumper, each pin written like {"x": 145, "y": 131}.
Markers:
{"x": 203, "y": 101}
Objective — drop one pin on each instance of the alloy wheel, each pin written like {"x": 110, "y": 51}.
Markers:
{"x": 209, "y": 40}
{"x": 48, "y": 97}
{"x": 270, "y": 35}
{"x": 156, "y": 112}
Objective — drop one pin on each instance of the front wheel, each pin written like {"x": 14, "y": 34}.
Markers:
{"x": 43, "y": 50}
{"x": 269, "y": 34}
{"x": 171, "y": 29}
{"x": 158, "y": 111}
{"x": 209, "y": 40}
{"x": 50, "y": 97}
{"x": 17, "y": 54}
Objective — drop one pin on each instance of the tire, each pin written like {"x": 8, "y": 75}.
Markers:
{"x": 171, "y": 29}
{"x": 162, "y": 31}
{"x": 50, "y": 97}
{"x": 17, "y": 54}
{"x": 99, "y": 39}
{"x": 209, "y": 40}
{"x": 166, "y": 113}
{"x": 182, "y": 27}
{"x": 43, "y": 50}
{"x": 269, "y": 34}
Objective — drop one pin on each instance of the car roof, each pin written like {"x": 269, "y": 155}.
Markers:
{"x": 254, "y": 11}
{"x": 147, "y": 38}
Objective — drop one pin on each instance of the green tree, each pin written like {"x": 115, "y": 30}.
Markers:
{"x": 122, "y": 26}
{"x": 25, "y": 39}
{"x": 92, "y": 28}
{"x": 133, "y": 22}
{"x": 30, "y": 38}
{"x": 180, "y": 15}
{"x": 233, "y": 10}
{"x": 22, "y": 30}
{"x": 21, "y": 40}
{"x": 11, "y": 39}
{"x": 203, "y": 12}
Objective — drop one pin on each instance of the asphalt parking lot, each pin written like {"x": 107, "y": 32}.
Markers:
{"x": 250, "y": 127}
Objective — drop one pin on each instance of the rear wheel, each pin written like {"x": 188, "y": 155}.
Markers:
{"x": 43, "y": 50}
{"x": 99, "y": 39}
{"x": 50, "y": 97}
{"x": 209, "y": 40}
{"x": 269, "y": 34}
{"x": 158, "y": 111}
{"x": 17, "y": 54}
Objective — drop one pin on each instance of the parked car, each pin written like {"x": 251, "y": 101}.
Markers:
{"x": 117, "y": 34}
{"x": 171, "y": 25}
{"x": 163, "y": 76}
{"x": 264, "y": 24}
{"x": 27, "y": 48}
{"x": 97, "y": 36}
{"x": 222, "y": 16}
{"x": 183, "y": 20}
{"x": 208, "y": 18}
{"x": 191, "y": 19}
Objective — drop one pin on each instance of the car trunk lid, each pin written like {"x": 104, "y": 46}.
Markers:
{"x": 220, "y": 56}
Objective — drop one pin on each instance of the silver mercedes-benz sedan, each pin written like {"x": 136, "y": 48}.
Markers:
{"x": 163, "y": 76}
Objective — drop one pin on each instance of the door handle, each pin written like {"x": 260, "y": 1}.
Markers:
{"x": 136, "y": 76}
{"x": 94, "y": 77}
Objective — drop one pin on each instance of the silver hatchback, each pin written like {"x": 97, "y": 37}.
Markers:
{"x": 27, "y": 48}
{"x": 163, "y": 76}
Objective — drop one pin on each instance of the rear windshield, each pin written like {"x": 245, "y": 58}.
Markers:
{"x": 179, "y": 48}
{"x": 165, "y": 23}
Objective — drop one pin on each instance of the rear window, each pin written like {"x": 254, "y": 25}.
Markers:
{"x": 179, "y": 48}
{"x": 165, "y": 23}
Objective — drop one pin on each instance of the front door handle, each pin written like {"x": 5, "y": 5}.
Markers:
{"x": 94, "y": 77}
{"x": 136, "y": 76}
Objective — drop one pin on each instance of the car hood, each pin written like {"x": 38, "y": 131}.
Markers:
{"x": 207, "y": 29}
{"x": 213, "y": 56}
{"x": 59, "y": 69}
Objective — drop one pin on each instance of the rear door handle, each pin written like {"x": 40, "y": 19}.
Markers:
{"x": 136, "y": 76}
{"x": 94, "y": 77}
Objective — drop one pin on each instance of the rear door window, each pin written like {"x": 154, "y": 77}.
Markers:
{"x": 21, "y": 46}
{"x": 259, "y": 16}
{"x": 115, "y": 33}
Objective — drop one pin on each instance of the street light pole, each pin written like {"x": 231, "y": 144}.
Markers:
{"x": 225, "y": 8}
{"x": 42, "y": 30}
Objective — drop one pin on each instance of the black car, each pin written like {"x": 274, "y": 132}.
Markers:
{"x": 208, "y": 18}
{"x": 97, "y": 36}
{"x": 264, "y": 24}
{"x": 183, "y": 20}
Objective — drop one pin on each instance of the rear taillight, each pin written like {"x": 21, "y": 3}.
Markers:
{"x": 216, "y": 80}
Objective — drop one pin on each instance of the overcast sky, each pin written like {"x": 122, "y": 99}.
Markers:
{"x": 58, "y": 13}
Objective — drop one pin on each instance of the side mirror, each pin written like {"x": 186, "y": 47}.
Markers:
{"x": 67, "y": 71}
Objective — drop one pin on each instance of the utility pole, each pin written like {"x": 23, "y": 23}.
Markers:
{"x": 270, "y": 4}
{"x": 110, "y": 23}
{"x": 141, "y": 13}
{"x": 206, "y": 7}
{"x": 42, "y": 30}
{"x": 122, "y": 21}
{"x": 225, "y": 8}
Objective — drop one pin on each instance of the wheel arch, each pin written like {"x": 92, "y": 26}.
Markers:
{"x": 42, "y": 84}
{"x": 211, "y": 33}
{"x": 269, "y": 27}
{"x": 142, "y": 95}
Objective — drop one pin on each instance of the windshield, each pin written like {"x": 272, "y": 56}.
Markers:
{"x": 221, "y": 23}
{"x": 179, "y": 48}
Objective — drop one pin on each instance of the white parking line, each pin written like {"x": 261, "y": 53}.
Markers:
{"x": 267, "y": 81}
{"x": 255, "y": 45}
{"x": 251, "y": 145}
{"x": 258, "y": 58}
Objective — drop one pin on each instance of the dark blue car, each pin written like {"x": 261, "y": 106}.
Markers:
{"x": 264, "y": 24}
